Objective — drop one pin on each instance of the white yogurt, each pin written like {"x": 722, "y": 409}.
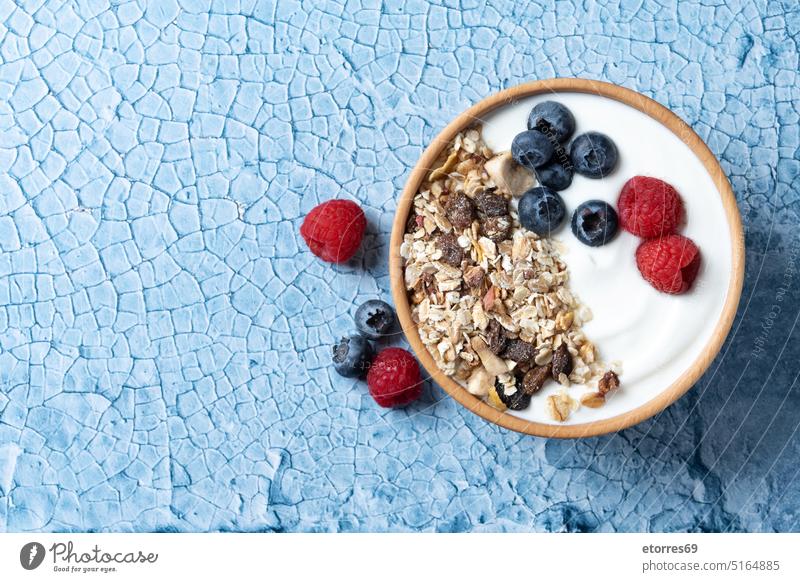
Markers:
{"x": 656, "y": 336}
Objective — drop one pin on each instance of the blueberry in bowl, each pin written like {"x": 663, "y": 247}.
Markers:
{"x": 595, "y": 223}
{"x": 352, "y": 355}
{"x": 552, "y": 119}
{"x": 541, "y": 210}
{"x": 555, "y": 175}
{"x": 531, "y": 149}
{"x": 593, "y": 154}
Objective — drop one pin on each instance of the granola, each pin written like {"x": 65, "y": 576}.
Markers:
{"x": 490, "y": 299}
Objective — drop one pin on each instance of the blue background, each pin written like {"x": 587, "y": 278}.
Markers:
{"x": 164, "y": 345}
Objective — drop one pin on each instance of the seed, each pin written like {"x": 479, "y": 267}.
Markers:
{"x": 593, "y": 399}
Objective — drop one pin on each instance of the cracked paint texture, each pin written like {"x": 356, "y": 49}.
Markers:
{"x": 164, "y": 333}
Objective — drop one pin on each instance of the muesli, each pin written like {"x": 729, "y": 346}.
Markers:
{"x": 490, "y": 298}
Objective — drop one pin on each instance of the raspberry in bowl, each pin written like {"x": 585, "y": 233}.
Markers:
{"x": 490, "y": 291}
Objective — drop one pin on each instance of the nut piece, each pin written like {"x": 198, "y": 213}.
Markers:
{"x": 560, "y": 406}
{"x": 593, "y": 399}
{"x": 520, "y": 351}
{"x": 564, "y": 320}
{"x": 479, "y": 382}
{"x": 452, "y": 254}
{"x": 609, "y": 382}
{"x": 534, "y": 379}
{"x": 496, "y": 337}
{"x": 587, "y": 352}
{"x": 494, "y": 400}
{"x": 508, "y": 176}
{"x": 473, "y": 276}
{"x": 562, "y": 362}
{"x": 460, "y": 210}
{"x": 491, "y": 204}
{"x": 494, "y": 365}
{"x": 496, "y": 228}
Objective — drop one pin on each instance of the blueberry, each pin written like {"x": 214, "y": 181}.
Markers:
{"x": 553, "y": 120}
{"x": 594, "y": 223}
{"x": 531, "y": 149}
{"x": 593, "y": 154}
{"x": 375, "y": 318}
{"x": 352, "y": 355}
{"x": 556, "y": 175}
{"x": 541, "y": 210}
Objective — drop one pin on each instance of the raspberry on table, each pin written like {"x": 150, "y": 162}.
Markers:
{"x": 649, "y": 207}
{"x": 334, "y": 229}
{"x": 394, "y": 378}
{"x": 670, "y": 264}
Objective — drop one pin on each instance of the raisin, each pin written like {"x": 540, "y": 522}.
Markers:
{"x": 609, "y": 382}
{"x": 491, "y": 204}
{"x": 534, "y": 379}
{"x": 452, "y": 254}
{"x": 519, "y": 400}
{"x": 496, "y": 228}
{"x": 562, "y": 362}
{"x": 460, "y": 210}
{"x": 520, "y": 351}
{"x": 495, "y": 337}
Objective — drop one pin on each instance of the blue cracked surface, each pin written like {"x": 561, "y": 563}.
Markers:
{"x": 163, "y": 334}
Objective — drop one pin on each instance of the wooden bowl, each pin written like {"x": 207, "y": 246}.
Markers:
{"x": 662, "y": 115}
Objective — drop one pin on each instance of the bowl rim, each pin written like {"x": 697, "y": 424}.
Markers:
{"x": 688, "y": 136}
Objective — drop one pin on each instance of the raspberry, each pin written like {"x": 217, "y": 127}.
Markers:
{"x": 334, "y": 229}
{"x": 649, "y": 207}
{"x": 394, "y": 378}
{"x": 669, "y": 264}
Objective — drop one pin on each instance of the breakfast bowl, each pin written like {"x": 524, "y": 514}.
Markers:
{"x": 632, "y": 348}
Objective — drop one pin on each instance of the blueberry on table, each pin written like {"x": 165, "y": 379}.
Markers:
{"x": 593, "y": 154}
{"x": 595, "y": 223}
{"x": 541, "y": 210}
{"x": 352, "y": 355}
{"x": 555, "y": 175}
{"x": 531, "y": 149}
{"x": 552, "y": 119}
{"x": 375, "y": 318}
